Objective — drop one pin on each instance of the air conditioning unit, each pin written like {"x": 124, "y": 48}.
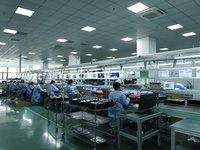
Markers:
{"x": 152, "y": 13}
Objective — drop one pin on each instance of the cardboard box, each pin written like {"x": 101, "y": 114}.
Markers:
{"x": 177, "y": 96}
{"x": 19, "y": 104}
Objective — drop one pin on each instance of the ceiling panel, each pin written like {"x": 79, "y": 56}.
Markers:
{"x": 55, "y": 19}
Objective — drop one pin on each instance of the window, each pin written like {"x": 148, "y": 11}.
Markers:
{"x": 3, "y": 69}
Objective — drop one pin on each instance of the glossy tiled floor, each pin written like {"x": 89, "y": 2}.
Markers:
{"x": 26, "y": 128}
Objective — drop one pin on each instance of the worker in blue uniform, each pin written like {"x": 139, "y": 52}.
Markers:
{"x": 22, "y": 87}
{"x": 36, "y": 96}
{"x": 29, "y": 90}
{"x": 120, "y": 101}
{"x": 52, "y": 88}
{"x": 70, "y": 90}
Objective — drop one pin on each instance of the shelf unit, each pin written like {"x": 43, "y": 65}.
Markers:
{"x": 87, "y": 130}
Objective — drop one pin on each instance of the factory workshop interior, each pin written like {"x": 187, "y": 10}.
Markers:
{"x": 99, "y": 74}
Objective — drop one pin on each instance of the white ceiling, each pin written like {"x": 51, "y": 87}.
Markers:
{"x": 54, "y": 19}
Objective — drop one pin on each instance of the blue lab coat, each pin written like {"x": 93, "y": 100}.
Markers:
{"x": 121, "y": 101}
{"x": 29, "y": 90}
{"x": 12, "y": 86}
{"x": 51, "y": 89}
{"x": 22, "y": 86}
{"x": 69, "y": 89}
{"x": 36, "y": 97}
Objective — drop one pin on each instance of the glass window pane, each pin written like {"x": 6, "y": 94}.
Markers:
{"x": 3, "y": 69}
{"x": 4, "y": 76}
{"x": 10, "y": 69}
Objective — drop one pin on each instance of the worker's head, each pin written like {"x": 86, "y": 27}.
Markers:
{"x": 41, "y": 83}
{"x": 31, "y": 83}
{"x": 70, "y": 82}
{"x": 22, "y": 81}
{"x": 53, "y": 82}
{"x": 116, "y": 85}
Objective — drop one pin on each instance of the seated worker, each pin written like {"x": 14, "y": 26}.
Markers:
{"x": 52, "y": 88}
{"x": 36, "y": 96}
{"x": 70, "y": 90}
{"x": 29, "y": 90}
{"x": 120, "y": 101}
{"x": 22, "y": 86}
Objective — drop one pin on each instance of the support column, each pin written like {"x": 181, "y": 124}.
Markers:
{"x": 74, "y": 60}
{"x": 146, "y": 46}
{"x": 45, "y": 65}
{"x": 20, "y": 63}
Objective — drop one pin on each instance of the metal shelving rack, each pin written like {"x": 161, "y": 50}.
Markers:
{"x": 87, "y": 130}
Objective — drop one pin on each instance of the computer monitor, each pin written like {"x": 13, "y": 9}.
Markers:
{"x": 147, "y": 102}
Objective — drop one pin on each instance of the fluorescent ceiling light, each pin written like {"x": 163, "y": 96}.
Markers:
{"x": 31, "y": 53}
{"x": 42, "y": 61}
{"x": 1, "y": 43}
{"x": 53, "y": 62}
{"x": 73, "y": 52}
{"x": 174, "y": 27}
{"x": 61, "y": 40}
{"x": 133, "y": 53}
{"x": 113, "y": 49}
{"x": 88, "y": 54}
{"x": 127, "y": 39}
{"x": 132, "y": 66}
{"x": 109, "y": 57}
{"x": 89, "y": 29}
{"x": 94, "y": 59}
{"x": 187, "y": 57}
{"x": 164, "y": 49}
{"x": 89, "y": 66}
{"x": 10, "y": 31}
{"x": 59, "y": 56}
{"x": 97, "y": 46}
{"x": 189, "y": 34}
{"x": 137, "y": 7}
{"x": 49, "y": 58}
{"x": 23, "y": 11}
{"x": 62, "y": 60}
{"x": 24, "y": 56}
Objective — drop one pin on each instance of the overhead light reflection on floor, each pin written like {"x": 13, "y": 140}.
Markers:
{"x": 52, "y": 140}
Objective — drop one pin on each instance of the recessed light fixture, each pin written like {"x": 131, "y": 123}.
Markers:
{"x": 59, "y": 56}
{"x": 97, "y": 46}
{"x": 126, "y": 39}
{"x": 174, "y": 27}
{"x": 133, "y": 53}
{"x": 53, "y": 62}
{"x": 2, "y": 43}
{"x": 73, "y": 52}
{"x": 10, "y": 31}
{"x": 113, "y": 49}
{"x": 164, "y": 49}
{"x": 89, "y": 29}
{"x": 62, "y": 60}
{"x": 94, "y": 59}
{"x": 109, "y": 57}
{"x": 49, "y": 58}
{"x": 24, "y": 56}
{"x": 61, "y": 40}
{"x": 137, "y": 7}
{"x": 23, "y": 11}
{"x": 88, "y": 54}
{"x": 41, "y": 61}
{"x": 189, "y": 34}
{"x": 31, "y": 53}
